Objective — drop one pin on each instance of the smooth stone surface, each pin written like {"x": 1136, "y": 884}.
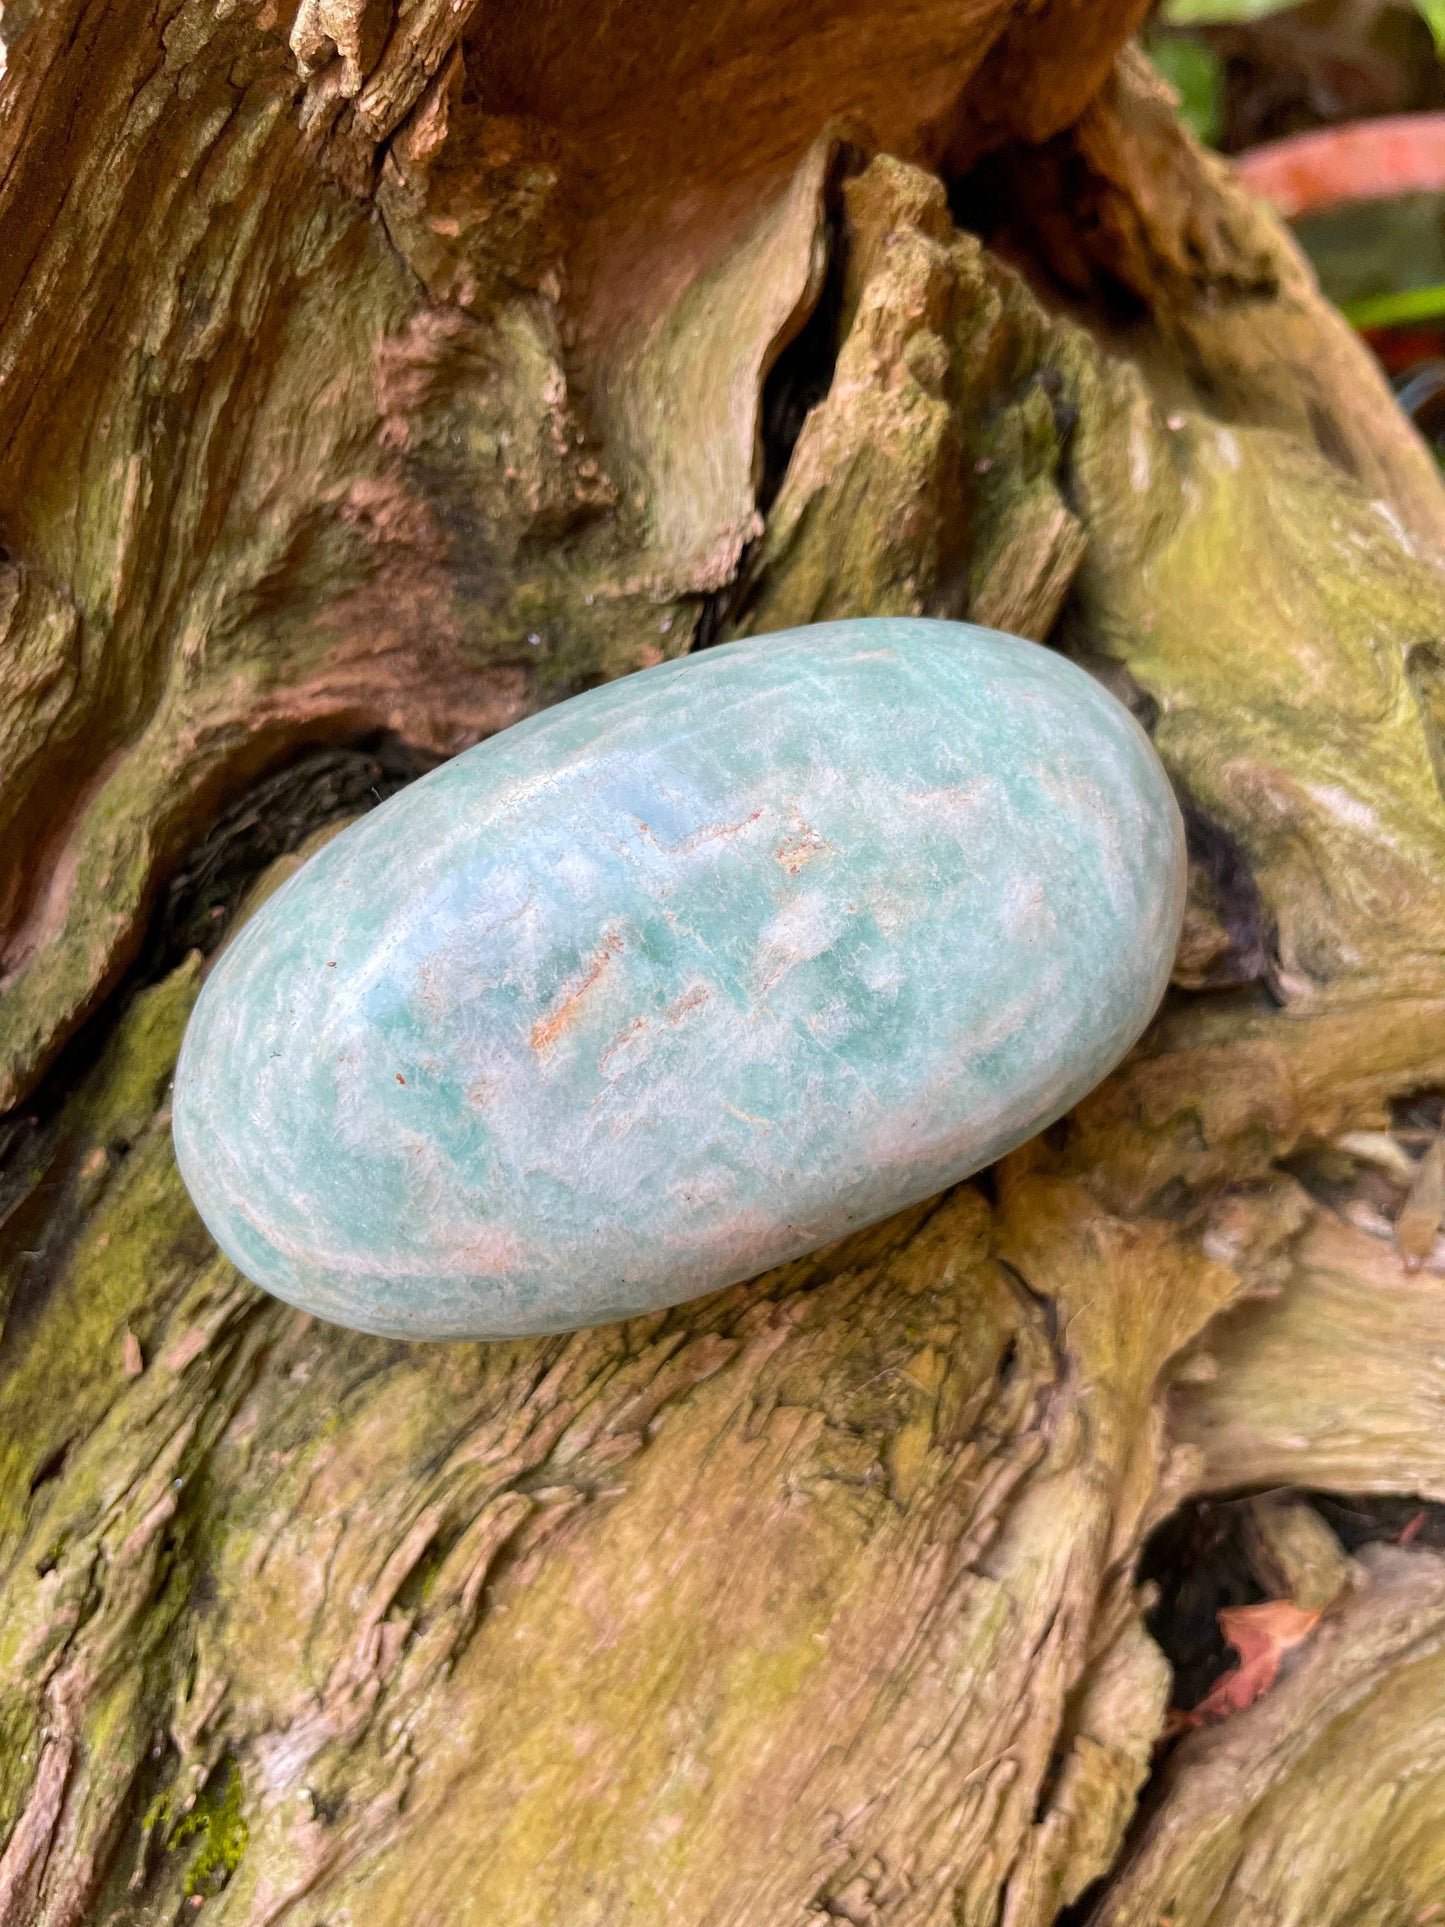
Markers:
{"x": 682, "y": 978}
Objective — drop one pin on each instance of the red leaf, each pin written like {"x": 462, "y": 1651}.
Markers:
{"x": 1364, "y": 161}
{"x": 1261, "y": 1635}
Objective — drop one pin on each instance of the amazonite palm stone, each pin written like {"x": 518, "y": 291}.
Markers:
{"x": 682, "y": 978}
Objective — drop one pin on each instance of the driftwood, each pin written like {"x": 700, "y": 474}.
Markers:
{"x": 374, "y": 376}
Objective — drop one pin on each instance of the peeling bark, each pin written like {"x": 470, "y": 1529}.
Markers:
{"x": 371, "y": 378}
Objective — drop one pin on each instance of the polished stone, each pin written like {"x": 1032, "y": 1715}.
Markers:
{"x": 681, "y": 978}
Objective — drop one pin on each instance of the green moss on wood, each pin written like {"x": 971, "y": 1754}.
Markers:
{"x": 218, "y": 1825}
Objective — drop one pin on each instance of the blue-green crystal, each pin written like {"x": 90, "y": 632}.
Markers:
{"x": 681, "y": 978}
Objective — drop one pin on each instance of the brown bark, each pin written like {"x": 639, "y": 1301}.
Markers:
{"x": 371, "y": 377}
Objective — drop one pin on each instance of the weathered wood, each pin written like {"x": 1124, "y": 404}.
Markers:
{"x": 336, "y": 381}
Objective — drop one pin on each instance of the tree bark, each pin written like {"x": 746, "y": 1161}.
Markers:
{"x": 373, "y": 376}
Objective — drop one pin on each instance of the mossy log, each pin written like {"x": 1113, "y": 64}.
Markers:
{"x": 374, "y": 374}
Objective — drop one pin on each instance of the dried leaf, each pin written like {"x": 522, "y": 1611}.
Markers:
{"x": 1261, "y": 1635}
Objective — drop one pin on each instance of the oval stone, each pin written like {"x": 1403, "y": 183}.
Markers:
{"x": 682, "y": 978}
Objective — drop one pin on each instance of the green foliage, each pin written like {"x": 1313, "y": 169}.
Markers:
{"x": 1219, "y": 13}
{"x": 1432, "y": 12}
{"x": 1225, "y": 13}
{"x": 1196, "y": 74}
{"x": 1195, "y": 70}
{"x": 1395, "y": 310}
